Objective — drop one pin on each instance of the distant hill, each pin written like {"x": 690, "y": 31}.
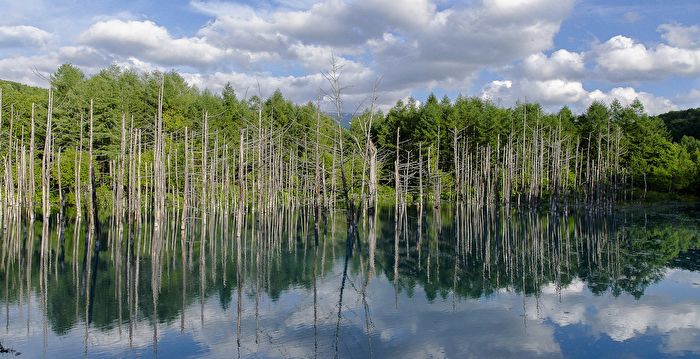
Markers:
{"x": 683, "y": 123}
{"x": 345, "y": 118}
{"x": 20, "y": 95}
{"x": 11, "y": 86}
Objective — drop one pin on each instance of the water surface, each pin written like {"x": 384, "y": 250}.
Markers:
{"x": 469, "y": 282}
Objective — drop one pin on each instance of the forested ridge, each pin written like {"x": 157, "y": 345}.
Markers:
{"x": 270, "y": 150}
{"x": 682, "y": 123}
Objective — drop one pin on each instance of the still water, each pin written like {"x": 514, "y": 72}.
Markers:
{"x": 464, "y": 282}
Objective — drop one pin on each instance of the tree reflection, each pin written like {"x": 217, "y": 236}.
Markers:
{"x": 462, "y": 252}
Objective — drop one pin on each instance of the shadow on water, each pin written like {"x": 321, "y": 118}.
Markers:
{"x": 305, "y": 287}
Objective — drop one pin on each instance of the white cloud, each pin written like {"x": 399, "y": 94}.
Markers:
{"x": 623, "y": 59}
{"x": 135, "y": 64}
{"x": 83, "y": 56}
{"x": 414, "y": 45}
{"x": 459, "y": 42}
{"x": 30, "y": 70}
{"x": 622, "y": 321}
{"x": 626, "y": 95}
{"x": 410, "y": 43}
{"x": 557, "y": 92}
{"x": 681, "y": 36}
{"x": 561, "y": 64}
{"x": 150, "y": 42}
{"x": 496, "y": 90}
{"x": 23, "y": 35}
{"x": 547, "y": 92}
{"x": 690, "y": 99}
{"x": 297, "y": 88}
{"x": 680, "y": 341}
{"x": 674, "y": 318}
{"x": 333, "y": 22}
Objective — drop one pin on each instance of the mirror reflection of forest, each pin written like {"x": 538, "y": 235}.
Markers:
{"x": 340, "y": 281}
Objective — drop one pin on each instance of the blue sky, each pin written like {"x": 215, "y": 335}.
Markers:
{"x": 556, "y": 52}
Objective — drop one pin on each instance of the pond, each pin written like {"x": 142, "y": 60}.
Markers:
{"x": 459, "y": 282}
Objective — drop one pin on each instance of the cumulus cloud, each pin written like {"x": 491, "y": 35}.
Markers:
{"x": 410, "y": 43}
{"x": 633, "y": 320}
{"x": 560, "y": 78}
{"x": 560, "y": 64}
{"x": 414, "y": 45}
{"x": 674, "y": 318}
{"x": 30, "y": 70}
{"x": 23, "y": 35}
{"x": 681, "y": 36}
{"x": 690, "y": 99}
{"x": 148, "y": 41}
{"x": 83, "y": 56}
{"x": 496, "y": 90}
{"x": 626, "y": 95}
{"x": 335, "y": 23}
{"x": 557, "y": 92}
{"x": 547, "y": 92}
{"x": 299, "y": 89}
{"x": 459, "y": 42}
{"x": 623, "y": 59}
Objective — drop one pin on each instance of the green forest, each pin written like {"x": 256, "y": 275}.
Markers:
{"x": 464, "y": 148}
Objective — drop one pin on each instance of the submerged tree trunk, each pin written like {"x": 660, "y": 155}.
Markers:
{"x": 437, "y": 180}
